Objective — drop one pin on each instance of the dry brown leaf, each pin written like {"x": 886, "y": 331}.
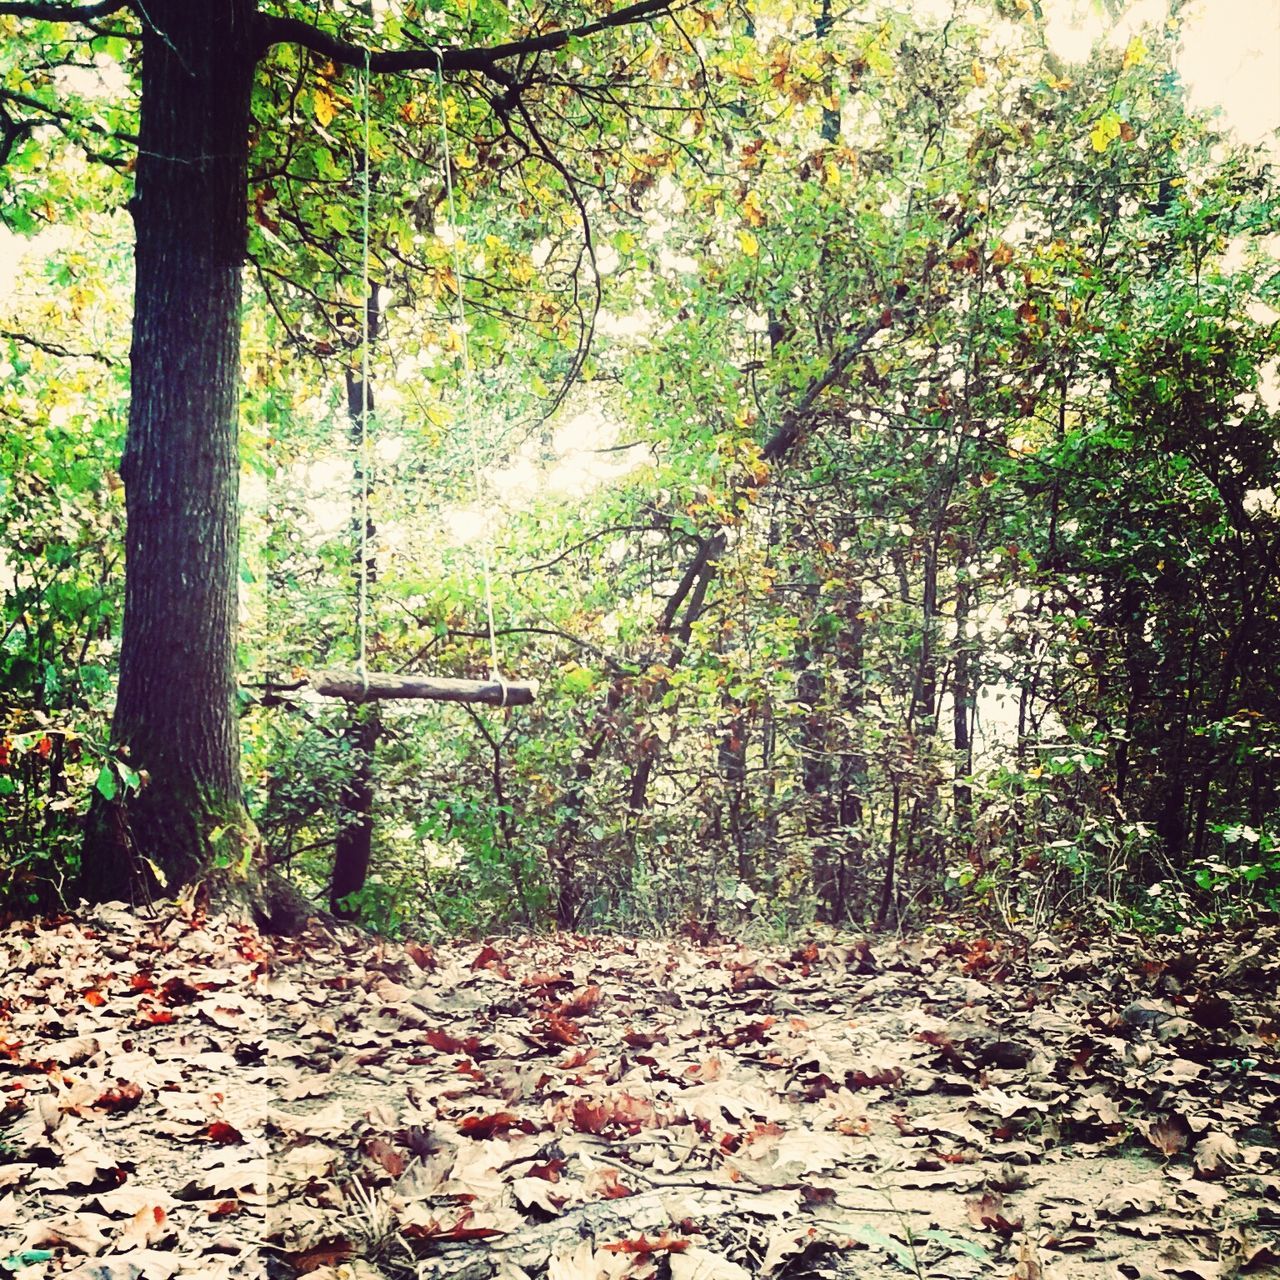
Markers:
{"x": 1168, "y": 1135}
{"x": 1215, "y": 1153}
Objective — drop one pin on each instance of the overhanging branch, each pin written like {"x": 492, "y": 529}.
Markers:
{"x": 286, "y": 30}
{"x": 40, "y": 12}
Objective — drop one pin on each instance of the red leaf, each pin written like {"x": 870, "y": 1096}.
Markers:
{"x": 384, "y": 1154}
{"x": 548, "y": 980}
{"x": 817, "y": 1195}
{"x": 612, "y": 1186}
{"x": 549, "y": 1172}
{"x": 481, "y": 1127}
{"x": 560, "y": 1030}
{"x": 874, "y": 1079}
{"x": 583, "y": 1002}
{"x": 446, "y": 1043}
{"x": 643, "y": 1040}
{"x": 327, "y": 1254}
{"x": 94, "y": 998}
{"x": 486, "y": 956}
{"x": 227, "y": 1209}
{"x": 665, "y": 1243}
{"x": 125, "y": 1098}
{"x": 223, "y": 1134}
{"x": 178, "y": 991}
{"x": 631, "y": 1113}
{"x": 423, "y": 957}
{"x": 459, "y": 1230}
{"x": 590, "y": 1117}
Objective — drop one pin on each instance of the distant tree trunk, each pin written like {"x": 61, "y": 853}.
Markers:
{"x": 562, "y": 849}
{"x": 920, "y": 845}
{"x": 817, "y": 776}
{"x": 830, "y": 131}
{"x": 733, "y": 769}
{"x": 691, "y": 595}
{"x": 852, "y": 774}
{"x": 889, "y": 886}
{"x": 963, "y": 699}
{"x": 353, "y": 848}
{"x": 175, "y": 712}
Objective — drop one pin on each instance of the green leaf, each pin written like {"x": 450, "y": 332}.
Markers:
{"x": 899, "y": 1252}
{"x": 956, "y": 1245}
{"x": 27, "y": 1258}
{"x": 106, "y": 783}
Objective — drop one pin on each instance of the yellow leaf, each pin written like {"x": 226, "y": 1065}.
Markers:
{"x": 325, "y": 107}
{"x": 1135, "y": 53}
{"x": 750, "y": 245}
{"x": 979, "y": 73}
{"x": 1105, "y": 132}
{"x": 752, "y": 211}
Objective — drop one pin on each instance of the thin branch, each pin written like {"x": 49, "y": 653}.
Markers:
{"x": 65, "y": 117}
{"x": 58, "y": 350}
{"x": 586, "y": 542}
{"x": 284, "y": 30}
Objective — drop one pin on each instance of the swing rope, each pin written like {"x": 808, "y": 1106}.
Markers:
{"x": 467, "y": 372}
{"x": 362, "y": 600}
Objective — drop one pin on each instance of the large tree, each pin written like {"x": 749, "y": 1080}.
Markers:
{"x": 196, "y": 66}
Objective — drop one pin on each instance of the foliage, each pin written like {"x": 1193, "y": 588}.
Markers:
{"x": 60, "y": 513}
{"x": 935, "y": 557}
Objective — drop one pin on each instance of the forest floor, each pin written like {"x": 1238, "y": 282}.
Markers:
{"x": 181, "y": 1098}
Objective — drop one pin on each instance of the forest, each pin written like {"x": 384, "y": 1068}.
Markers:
{"x": 861, "y": 427}
{"x": 532, "y": 519}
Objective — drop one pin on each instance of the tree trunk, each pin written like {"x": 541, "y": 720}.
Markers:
{"x": 852, "y": 782}
{"x": 353, "y": 848}
{"x": 175, "y": 705}
{"x": 964, "y": 696}
{"x": 732, "y": 759}
{"x": 816, "y": 776}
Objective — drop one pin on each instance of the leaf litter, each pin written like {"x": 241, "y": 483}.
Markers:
{"x": 181, "y": 1097}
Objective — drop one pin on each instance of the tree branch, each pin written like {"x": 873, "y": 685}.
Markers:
{"x": 41, "y": 12}
{"x": 57, "y": 349}
{"x": 284, "y": 30}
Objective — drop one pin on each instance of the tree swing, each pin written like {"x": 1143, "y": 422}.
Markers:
{"x": 361, "y": 685}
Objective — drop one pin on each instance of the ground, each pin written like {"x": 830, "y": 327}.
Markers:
{"x": 180, "y": 1097}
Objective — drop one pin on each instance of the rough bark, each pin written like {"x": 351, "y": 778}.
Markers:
{"x": 963, "y": 699}
{"x": 175, "y": 705}
{"x": 353, "y": 846}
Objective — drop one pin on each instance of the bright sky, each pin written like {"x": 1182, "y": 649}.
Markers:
{"x": 1230, "y": 53}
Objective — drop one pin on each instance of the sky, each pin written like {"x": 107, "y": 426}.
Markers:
{"x": 1230, "y": 53}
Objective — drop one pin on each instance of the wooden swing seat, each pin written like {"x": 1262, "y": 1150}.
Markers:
{"x": 353, "y": 687}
